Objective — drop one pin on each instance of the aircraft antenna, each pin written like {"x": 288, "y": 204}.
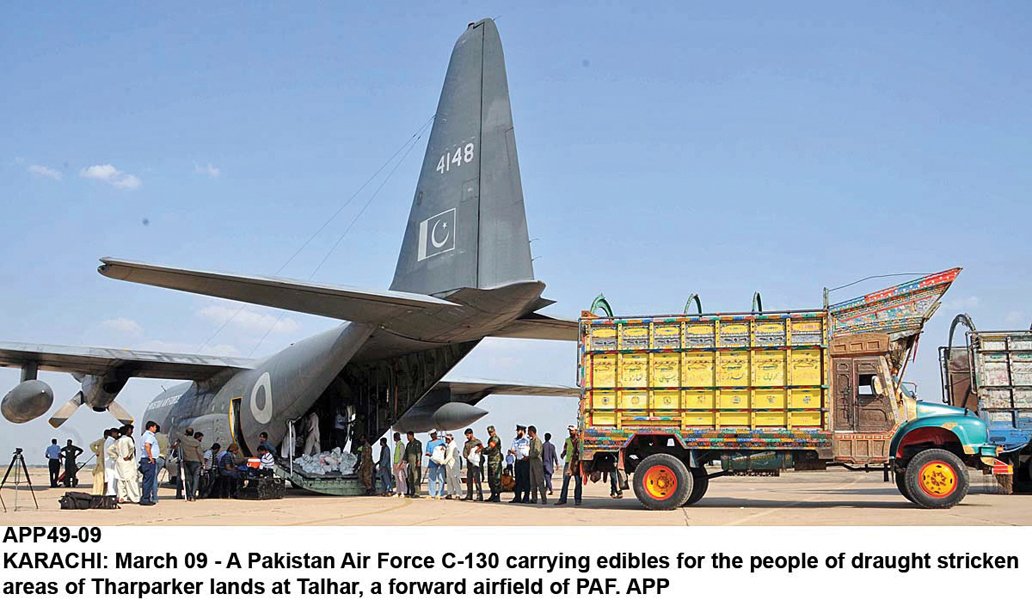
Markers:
{"x": 407, "y": 144}
{"x": 411, "y": 143}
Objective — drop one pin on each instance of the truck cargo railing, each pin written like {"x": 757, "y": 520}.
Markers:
{"x": 991, "y": 375}
{"x": 709, "y": 371}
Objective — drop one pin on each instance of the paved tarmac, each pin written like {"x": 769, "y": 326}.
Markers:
{"x": 813, "y": 498}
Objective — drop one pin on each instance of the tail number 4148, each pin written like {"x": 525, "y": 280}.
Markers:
{"x": 461, "y": 155}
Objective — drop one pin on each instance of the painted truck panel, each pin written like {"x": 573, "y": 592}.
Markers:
{"x": 992, "y": 376}
{"x": 734, "y": 373}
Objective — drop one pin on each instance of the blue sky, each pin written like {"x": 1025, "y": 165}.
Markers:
{"x": 664, "y": 150}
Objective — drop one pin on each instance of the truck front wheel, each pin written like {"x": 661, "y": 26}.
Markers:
{"x": 662, "y": 482}
{"x": 936, "y": 478}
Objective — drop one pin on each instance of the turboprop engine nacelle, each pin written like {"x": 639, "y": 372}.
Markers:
{"x": 28, "y": 400}
{"x": 97, "y": 393}
{"x": 447, "y": 417}
{"x": 456, "y": 415}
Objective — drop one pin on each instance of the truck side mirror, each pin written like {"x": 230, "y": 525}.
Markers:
{"x": 876, "y": 383}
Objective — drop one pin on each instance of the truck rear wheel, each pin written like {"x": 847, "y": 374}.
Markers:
{"x": 662, "y": 482}
{"x": 936, "y": 478}
{"x": 700, "y": 483}
{"x": 901, "y": 485}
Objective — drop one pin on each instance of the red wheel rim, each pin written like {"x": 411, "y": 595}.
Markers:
{"x": 660, "y": 482}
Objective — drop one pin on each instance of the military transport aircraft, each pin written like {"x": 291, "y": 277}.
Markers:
{"x": 464, "y": 273}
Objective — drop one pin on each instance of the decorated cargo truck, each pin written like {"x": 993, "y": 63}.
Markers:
{"x": 679, "y": 400}
{"x": 991, "y": 376}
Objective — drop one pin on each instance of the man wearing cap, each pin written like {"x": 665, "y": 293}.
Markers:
{"x": 520, "y": 451}
{"x": 453, "y": 466}
{"x": 471, "y": 451}
{"x": 435, "y": 452}
{"x": 493, "y": 452}
{"x": 414, "y": 458}
{"x": 571, "y": 452}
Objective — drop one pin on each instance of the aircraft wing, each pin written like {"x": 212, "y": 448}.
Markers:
{"x": 462, "y": 389}
{"x": 348, "y": 304}
{"x": 536, "y": 326}
{"x": 450, "y": 405}
{"x": 133, "y": 363}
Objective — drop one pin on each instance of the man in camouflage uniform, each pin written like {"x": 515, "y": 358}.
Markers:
{"x": 493, "y": 452}
{"x": 537, "y": 467}
{"x": 472, "y": 451}
{"x": 414, "y": 458}
{"x": 365, "y": 466}
{"x": 571, "y": 452}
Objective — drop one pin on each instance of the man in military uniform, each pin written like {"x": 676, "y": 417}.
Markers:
{"x": 365, "y": 466}
{"x": 414, "y": 458}
{"x": 472, "y": 452}
{"x": 571, "y": 452}
{"x": 537, "y": 467}
{"x": 493, "y": 452}
{"x": 520, "y": 451}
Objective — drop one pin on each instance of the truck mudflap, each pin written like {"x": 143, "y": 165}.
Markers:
{"x": 995, "y": 466}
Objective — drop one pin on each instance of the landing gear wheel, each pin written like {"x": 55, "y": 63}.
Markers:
{"x": 700, "y": 483}
{"x": 662, "y": 482}
{"x": 901, "y": 485}
{"x": 936, "y": 478}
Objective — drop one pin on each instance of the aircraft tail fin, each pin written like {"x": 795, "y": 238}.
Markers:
{"x": 468, "y": 227}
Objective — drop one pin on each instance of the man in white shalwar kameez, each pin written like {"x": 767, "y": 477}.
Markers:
{"x": 453, "y": 467}
{"x": 110, "y": 470}
{"x": 97, "y": 448}
{"x": 124, "y": 453}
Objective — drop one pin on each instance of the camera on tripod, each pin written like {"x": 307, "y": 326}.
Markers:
{"x": 19, "y": 467}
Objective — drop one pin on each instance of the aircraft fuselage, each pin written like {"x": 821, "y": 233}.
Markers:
{"x": 237, "y": 405}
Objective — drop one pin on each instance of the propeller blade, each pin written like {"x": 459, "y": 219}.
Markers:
{"x": 119, "y": 412}
{"x": 65, "y": 412}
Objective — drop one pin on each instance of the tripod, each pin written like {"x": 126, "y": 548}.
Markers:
{"x": 17, "y": 461}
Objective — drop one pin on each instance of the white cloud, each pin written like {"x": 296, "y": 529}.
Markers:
{"x": 210, "y": 170}
{"x": 47, "y": 172}
{"x": 109, "y": 174}
{"x": 248, "y": 319}
{"x": 123, "y": 325}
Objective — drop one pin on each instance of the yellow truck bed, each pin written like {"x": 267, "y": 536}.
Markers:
{"x": 722, "y": 371}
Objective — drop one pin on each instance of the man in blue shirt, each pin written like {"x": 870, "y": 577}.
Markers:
{"x": 149, "y": 453}
{"x": 548, "y": 455}
{"x": 263, "y": 444}
{"x": 520, "y": 451}
{"x": 435, "y": 469}
{"x": 54, "y": 461}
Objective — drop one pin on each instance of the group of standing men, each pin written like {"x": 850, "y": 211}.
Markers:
{"x": 534, "y": 462}
{"x": 121, "y": 464}
{"x": 55, "y": 455}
